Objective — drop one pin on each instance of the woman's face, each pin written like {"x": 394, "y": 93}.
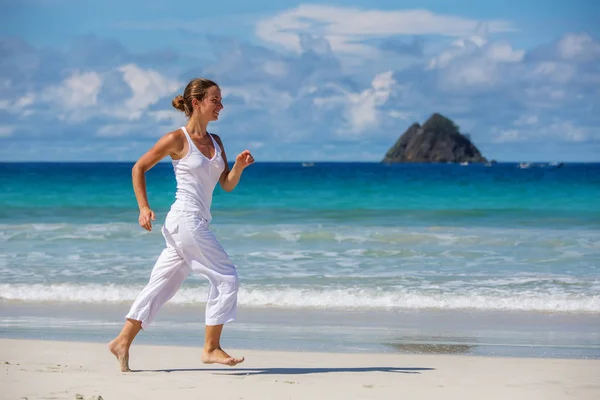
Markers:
{"x": 210, "y": 106}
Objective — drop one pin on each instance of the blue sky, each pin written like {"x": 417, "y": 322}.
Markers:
{"x": 336, "y": 81}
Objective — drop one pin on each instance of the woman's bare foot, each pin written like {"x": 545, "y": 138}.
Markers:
{"x": 120, "y": 350}
{"x": 218, "y": 356}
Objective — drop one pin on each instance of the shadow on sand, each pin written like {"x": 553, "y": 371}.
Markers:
{"x": 290, "y": 371}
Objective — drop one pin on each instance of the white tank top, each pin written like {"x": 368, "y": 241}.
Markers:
{"x": 196, "y": 177}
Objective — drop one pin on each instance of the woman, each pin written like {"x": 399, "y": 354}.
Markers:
{"x": 199, "y": 162}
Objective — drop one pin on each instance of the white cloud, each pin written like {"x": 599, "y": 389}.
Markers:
{"x": 466, "y": 45}
{"x": 557, "y": 72}
{"x": 148, "y": 86}
{"x": 277, "y": 103}
{"x": 171, "y": 116}
{"x": 6, "y": 131}
{"x": 77, "y": 92}
{"x": 81, "y": 89}
{"x": 363, "y": 108}
{"x": 502, "y": 52}
{"x": 578, "y": 47}
{"x": 345, "y": 28}
{"x": 474, "y": 61}
{"x": 569, "y": 131}
{"x": 508, "y": 136}
{"x": 20, "y": 104}
{"x": 403, "y": 115}
{"x": 259, "y": 96}
{"x": 525, "y": 120}
{"x": 76, "y": 98}
{"x": 24, "y": 101}
{"x": 532, "y": 130}
{"x": 275, "y": 68}
{"x": 139, "y": 129}
{"x": 546, "y": 95}
{"x": 115, "y": 130}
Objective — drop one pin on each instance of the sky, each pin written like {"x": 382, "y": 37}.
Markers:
{"x": 319, "y": 81}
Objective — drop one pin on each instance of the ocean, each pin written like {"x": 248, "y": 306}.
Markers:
{"x": 349, "y": 257}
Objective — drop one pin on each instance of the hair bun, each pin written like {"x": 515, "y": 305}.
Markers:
{"x": 179, "y": 103}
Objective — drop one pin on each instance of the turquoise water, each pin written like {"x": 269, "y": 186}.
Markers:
{"x": 342, "y": 237}
{"x": 325, "y": 188}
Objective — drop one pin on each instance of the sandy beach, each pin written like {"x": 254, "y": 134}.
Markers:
{"x": 63, "y": 370}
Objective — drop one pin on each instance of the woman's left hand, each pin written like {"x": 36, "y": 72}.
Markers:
{"x": 244, "y": 159}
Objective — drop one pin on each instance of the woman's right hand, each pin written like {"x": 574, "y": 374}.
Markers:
{"x": 172, "y": 143}
{"x": 146, "y": 218}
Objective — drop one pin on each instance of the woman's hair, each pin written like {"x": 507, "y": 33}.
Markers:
{"x": 196, "y": 89}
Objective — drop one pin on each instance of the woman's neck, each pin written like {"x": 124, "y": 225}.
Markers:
{"x": 196, "y": 126}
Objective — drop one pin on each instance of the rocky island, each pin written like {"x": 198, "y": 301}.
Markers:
{"x": 437, "y": 140}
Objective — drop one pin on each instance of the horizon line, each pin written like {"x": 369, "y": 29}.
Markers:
{"x": 298, "y": 161}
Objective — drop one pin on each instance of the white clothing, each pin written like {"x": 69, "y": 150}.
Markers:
{"x": 196, "y": 177}
{"x": 190, "y": 245}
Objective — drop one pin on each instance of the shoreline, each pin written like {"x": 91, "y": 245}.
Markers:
{"x": 408, "y": 349}
{"x": 42, "y": 369}
{"x": 466, "y": 333}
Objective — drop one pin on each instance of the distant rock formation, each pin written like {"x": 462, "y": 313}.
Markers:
{"x": 438, "y": 140}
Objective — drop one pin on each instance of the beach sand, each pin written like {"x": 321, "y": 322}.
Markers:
{"x": 33, "y": 369}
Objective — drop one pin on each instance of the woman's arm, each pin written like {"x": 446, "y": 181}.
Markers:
{"x": 231, "y": 177}
{"x": 170, "y": 144}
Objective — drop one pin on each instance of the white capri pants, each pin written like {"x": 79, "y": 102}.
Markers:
{"x": 191, "y": 246}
